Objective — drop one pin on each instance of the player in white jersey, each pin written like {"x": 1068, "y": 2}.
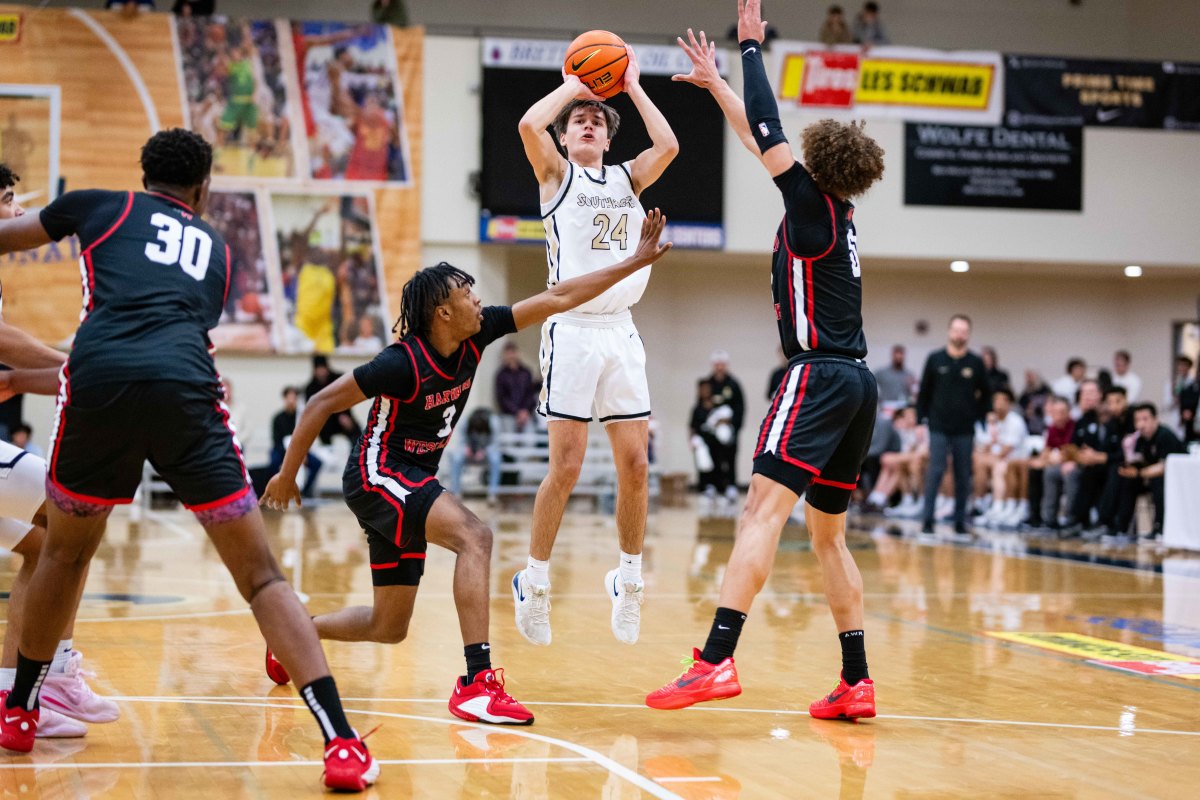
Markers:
{"x": 593, "y": 362}
{"x": 23, "y": 525}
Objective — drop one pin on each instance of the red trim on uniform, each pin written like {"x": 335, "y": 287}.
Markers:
{"x": 61, "y": 413}
{"x": 766, "y": 426}
{"x": 833, "y": 224}
{"x": 433, "y": 363}
{"x": 416, "y": 373}
{"x": 383, "y": 467}
{"x": 808, "y": 293}
{"x": 228, "y": 275}
{"x": 787, "y": 430}
{"x": 91, "y": 282}
{"x": 100, "y": 501}
{"x": 388, "y": 565}
{"x": 835, "y": 484}
{"x": 170, "y": 199}
{"x": 113, "y": 228}
{"x": 791, "y": 274}
{"x": 474, "y": 349}
{"x": 224, "y": 501}
{"x": 412, "y": 555}
{"x": 232, "y": 434}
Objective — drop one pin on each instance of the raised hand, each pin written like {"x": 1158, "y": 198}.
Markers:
{"x": 750, "y": 21}
{"x": 703, "y": 55}
{"x": 633, "y": 71}
{"x": 579, "y": 89}
{"x": 648, "y": 249}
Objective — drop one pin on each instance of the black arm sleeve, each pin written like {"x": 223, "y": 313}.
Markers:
{"x": 761, "y": 110}
{"x": 391, "y": 373}
{"x": 497, "y": 322}
{"x": 88, "y": 213}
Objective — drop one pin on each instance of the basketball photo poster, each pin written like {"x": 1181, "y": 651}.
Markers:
{"x": 234, "y": 94}
{"x": 331, "y": 277}
{"x": 248, "y": 315}
{"x": 352, "y": 103}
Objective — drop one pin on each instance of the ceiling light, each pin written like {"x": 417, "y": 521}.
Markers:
{"x": 1133, "y": 271}
{"x": 960, "y": 266}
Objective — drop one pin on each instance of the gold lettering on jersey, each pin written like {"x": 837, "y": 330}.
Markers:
{"x": 597, "y": 201}
{"x": 449, "y": 396}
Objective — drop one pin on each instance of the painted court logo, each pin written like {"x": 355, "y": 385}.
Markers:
{"x": 1105, "y": 653}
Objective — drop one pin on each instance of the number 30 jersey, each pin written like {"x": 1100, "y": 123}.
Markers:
{"x": 155, "y": 278}
{"x": 419, "y": 398}
{"x": 593, "y": 222}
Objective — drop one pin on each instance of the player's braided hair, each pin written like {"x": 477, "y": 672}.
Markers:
{"x": 424, "y": 292}
{"x": 611, "y": 118}
{"x": 8, "y": 177}
{"x": 841, "y": 158}
{"x": 177, "y": 157}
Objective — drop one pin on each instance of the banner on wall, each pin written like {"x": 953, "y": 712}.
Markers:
{"x": 1043, "y": 91}
{"x": 994, "y": 167}
{"x": 654, "y": 59}
{"x": 248, "y": 318}
{"x": 892, "y": 82}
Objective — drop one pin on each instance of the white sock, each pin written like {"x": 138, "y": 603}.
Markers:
{"x": 8, "y": 676}
{"x": 631, "y": 567}
{"x": 61, "y": 656}
{"x": 537, "y": 572}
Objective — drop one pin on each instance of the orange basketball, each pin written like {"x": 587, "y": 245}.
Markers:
{"x": 599, "y": 59}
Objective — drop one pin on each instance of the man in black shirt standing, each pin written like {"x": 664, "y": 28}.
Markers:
{"x": 953, "y": 397}
{"x": 1145, "y": 466}
{"x": 140, "y": 384}
{"x": 726, "y": 391}
{"x": 420, "y": 385}
{"x": 817, "y": 432}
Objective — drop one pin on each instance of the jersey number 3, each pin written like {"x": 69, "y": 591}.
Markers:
{"x": 180, "y": 244}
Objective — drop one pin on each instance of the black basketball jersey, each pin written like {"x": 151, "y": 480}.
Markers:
{"x": 816, "y": 280}
{"x": 155, "y": 277}
{"x": 419, "y": 398}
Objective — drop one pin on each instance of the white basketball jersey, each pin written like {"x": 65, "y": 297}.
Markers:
{"x": 593, "y": 222}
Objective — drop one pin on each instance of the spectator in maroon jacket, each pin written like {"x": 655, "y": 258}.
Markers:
{"x": 516, "y": 394}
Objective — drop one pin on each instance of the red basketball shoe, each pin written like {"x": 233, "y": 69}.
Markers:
{"x": 17, "y": 726}
{"x": 275, "y": 670}
{"x": 349, "y": 766}
{"x": 846, "y": 701}
{"x": 484, "y": 700}
{"x": 702, "y": 681}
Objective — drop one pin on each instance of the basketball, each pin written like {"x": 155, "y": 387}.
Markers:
{"x": 599, "y": 59}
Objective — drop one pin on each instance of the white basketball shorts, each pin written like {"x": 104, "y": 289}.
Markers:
{"x": 22, "y": 492}
{"x": 593, "y": 365}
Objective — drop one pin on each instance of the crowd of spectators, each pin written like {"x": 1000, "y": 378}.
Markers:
{"x": 1069, "y": 457}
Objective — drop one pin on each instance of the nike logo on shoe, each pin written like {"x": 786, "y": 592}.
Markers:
{"x": 575, "y": 65}
{"x": 11, "y": 720}
{"x": 682, "y": 683}
{"x": 517, "y": 587}
{"x": 616, "y": 593}
{"x": 833, "y": 698}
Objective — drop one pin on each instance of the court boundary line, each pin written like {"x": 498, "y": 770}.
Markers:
{"x": 219, "y": 699}
{"x": 640, "y": 781}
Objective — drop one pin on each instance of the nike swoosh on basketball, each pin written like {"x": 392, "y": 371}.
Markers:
{"x": 575, "y": 65}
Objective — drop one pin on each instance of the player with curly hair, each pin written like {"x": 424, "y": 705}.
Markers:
{"x": 141, "y": 383}
{"x": 817, "y": 432}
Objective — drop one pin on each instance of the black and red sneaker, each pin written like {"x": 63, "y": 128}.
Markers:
{"x": 275, "y": 670}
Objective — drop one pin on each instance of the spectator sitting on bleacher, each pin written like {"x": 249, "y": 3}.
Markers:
{"x": 479, "y": 447}
{"x": 282, "y": 426}
{"x": 1185, "y": 398}
{"x": 905, "y": 469}
{"x": 1058, "y": 438}
{"x": 711, "y": 433}
{"x": 22, "y": 437}
{"x": 997, "y": 378}
{"x": 885, "y": 440}
{"x": 1085, "y": 473}
{"x": 1117, "y": 423}
{"x": 1067, "y": 385}
{"x": 516, "y": 393}
{"x": 897, "y": 385}
{"x": 834, "y": 29}
{"x": 1123, "y": 377}
{"x": 1000, "y": 457}
{"x": 342, "y": 423}
{"x": 868, "y": 28}
{"x": 1144, "y": 468}
{"x": 1033, "y": 402}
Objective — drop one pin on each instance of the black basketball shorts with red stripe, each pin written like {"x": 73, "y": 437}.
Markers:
{"x": 104, "y": 433}
{"x": 817, "y": 433}
{"x": 391, "y": 505}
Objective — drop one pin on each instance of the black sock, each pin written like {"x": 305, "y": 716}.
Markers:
{"x": 479, "y": 659}
{"x": 321, "y": 697}
{"x": 723, "y": 636}
{"x": 854, "y": 656}
{"x": 28, "y": 682}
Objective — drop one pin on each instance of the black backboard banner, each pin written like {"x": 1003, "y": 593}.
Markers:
{"x": 1043, "y": 91}
{"x": 958, "y": 165}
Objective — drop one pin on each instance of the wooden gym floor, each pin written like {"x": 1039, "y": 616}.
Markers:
{"x": 963, "y": 713}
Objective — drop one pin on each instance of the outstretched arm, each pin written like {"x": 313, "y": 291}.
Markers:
{"x": 543, "y": 156}
{"x": 22, "y": 233}
{"x": 762, "y": 113}
{"x": 571, "y": 293}
{"x": 653, "y": 161}
{"x": 19, "y": 349}
{"x": 28, "y": 381}
{"x": 704, "y": 74}
{"x": 338, "y": 396}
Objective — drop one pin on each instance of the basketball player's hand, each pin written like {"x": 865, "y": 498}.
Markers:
{"x": 703, "y": 54}
{"x": 280, "y": 492}
{"x": 750, "y": 21}
{"x": 581, "y": 92}
{"x": 6, "y": 390}
{"x": 633, "y": 72}
{"x": 648, "y": 249}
